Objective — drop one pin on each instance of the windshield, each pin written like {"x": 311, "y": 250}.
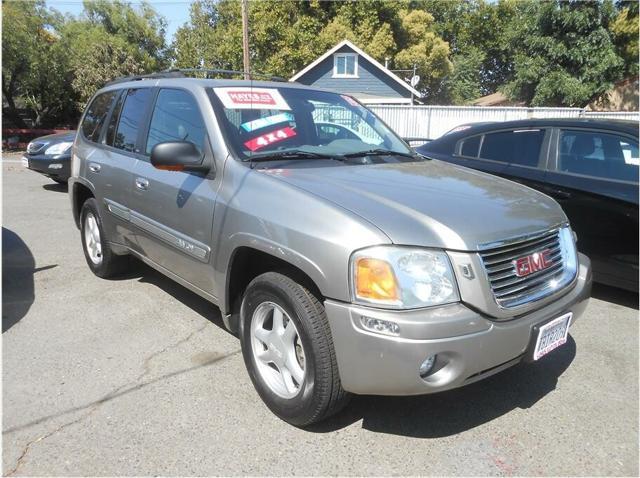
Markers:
{"x": 261, "y": 122}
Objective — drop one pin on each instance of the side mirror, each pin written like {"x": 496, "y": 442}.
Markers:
{"x": 178, "y": 156}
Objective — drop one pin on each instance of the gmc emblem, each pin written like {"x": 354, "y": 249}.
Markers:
{"x": 533, "y": 263}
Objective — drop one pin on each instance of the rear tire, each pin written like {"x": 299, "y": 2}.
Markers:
{"x": 100, "y": 258}
{"x": 288, "y": 350}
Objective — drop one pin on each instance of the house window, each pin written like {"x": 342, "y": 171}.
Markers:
{"x": 345, "y": 65}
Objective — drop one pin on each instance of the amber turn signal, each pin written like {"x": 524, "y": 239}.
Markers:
{"x": 375, "y": 280}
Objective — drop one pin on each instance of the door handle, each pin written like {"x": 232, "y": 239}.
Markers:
{"x": 142, "y": 184}
{"x": 94, "y": 168}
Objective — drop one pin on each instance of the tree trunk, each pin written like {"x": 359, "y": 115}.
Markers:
{"x": 12, "y": 111}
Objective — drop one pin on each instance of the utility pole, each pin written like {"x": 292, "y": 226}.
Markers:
{"x": 245, "y": 39}
{"x": 412, "y": 85}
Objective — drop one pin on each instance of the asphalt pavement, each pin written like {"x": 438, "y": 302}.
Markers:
{"x": 137, "y": 376}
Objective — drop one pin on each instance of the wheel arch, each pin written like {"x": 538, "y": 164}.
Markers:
{"x": 80, "y": 192}
{"x": 247, "y": 262}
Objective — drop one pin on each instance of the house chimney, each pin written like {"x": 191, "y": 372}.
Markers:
{"x": 386, "y": 62}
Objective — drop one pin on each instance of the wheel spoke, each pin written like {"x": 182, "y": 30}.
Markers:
{"x": 285, "y": 373}
{"x": 289, "y": 334}
{"x": 265, "y": 356}
{"x": 278, "y": 325}
{"x": 295, "y": 369}
{"x": 262, "y": 335}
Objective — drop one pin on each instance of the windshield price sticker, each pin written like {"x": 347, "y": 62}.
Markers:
{"x": 270, "y": 138}
{"x": 251, "y": 98}
{"x": 268, "y": 121}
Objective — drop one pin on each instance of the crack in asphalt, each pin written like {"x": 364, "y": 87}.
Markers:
{"x": 127, "y": 388}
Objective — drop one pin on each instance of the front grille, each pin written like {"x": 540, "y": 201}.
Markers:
{"x": 510, "y": 290}
{"x": 35, "y": 147}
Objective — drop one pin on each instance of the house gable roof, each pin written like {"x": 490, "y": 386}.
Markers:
{"x": 357, "y": 50}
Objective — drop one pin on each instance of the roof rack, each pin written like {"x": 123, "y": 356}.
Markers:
{"x": 181, "y": 73}
{"x": 209, "y": 71}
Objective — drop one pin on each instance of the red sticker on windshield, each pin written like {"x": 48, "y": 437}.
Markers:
{"x": 270, "y": 138}
{"x": 251, "y": 98}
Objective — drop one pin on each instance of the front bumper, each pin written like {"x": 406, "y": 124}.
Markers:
{"x": 42, "y": 163}
{"x": 469, "y": 345}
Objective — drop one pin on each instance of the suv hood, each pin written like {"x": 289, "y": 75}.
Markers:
{"x": 431, "y": 203}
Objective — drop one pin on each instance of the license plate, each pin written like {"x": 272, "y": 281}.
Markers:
{"x": 552, "y": 335}
{"x": 25, "y": 162}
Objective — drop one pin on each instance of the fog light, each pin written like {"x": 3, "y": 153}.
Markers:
{"x": 427, "y": 365}
{"x": 380, "y": 326}
{"x": 55, "y": 166}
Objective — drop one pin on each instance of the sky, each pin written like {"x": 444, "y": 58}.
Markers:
{"x": 176, "y": 12}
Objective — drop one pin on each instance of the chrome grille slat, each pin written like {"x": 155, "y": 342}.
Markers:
{"x": 511, "y": 269}
{"x": 502, "y": 267}
{"x": 508, "y": 289}
{"x": 540, "y": 280}
{"x": 519, "y": 252}
{"x": 531, "y": 242}
{"x": 524, "y": 282}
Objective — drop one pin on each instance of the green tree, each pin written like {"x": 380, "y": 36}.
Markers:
{"x": 465, "y": 83}
{"x": 564, "y": 53}
{"x": 112, "y": 39}
{"x": 624, "y": 30}
{"x": 95, "y": 57}
{"x": 474, "y": 29}
{"x": 34, "y": 68}
{"x": 284, "y": 36}
{"x": 426, "y": 50}
{"x": 142, "y": 28}
{"x": 53, "y": 64}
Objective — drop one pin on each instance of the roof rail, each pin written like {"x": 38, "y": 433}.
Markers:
{"x": 180, "y": 73}
{"x": 210, "y": 71}
{"x": 150, "y": 76}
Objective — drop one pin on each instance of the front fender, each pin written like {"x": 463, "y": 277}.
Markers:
{"x": 259, "y": 211}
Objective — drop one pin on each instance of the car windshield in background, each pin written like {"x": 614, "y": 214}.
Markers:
{"x": 294, "y": 123}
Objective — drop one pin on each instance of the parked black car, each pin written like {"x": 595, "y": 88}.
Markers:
{"x": 51, "y": 155}
{"x": 590, "y": 166}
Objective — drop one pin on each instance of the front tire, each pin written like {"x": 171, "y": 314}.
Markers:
{"x": 100, "y": 258}
{"x": 288, "y": 350}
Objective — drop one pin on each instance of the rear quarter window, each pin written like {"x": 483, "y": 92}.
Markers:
{"x": 470, "y": 146}
{"x": 96, "y": 115}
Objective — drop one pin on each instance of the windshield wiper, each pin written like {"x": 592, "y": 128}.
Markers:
{"x": 275, "y": 156}
{"x": 379, "y": 152}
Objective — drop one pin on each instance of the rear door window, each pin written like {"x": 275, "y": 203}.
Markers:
{"x": 133, "y": 111}
{"x": 598, "y": 154}
{"x": 176, "y": 117}
{"x": 96, "y": 115}
{"x": 518, "y": 147}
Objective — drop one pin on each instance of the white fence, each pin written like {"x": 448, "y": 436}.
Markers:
{"x": 434, "y": 121}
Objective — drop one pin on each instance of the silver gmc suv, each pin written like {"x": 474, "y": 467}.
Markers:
{"x": 345, "y": 262}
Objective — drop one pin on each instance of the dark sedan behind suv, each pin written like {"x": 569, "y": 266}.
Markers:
{"x": 51, "y": 155}
{"x": 589, "y": 166}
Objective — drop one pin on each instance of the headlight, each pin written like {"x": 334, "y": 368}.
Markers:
{"x": 402, "y": 277}
{"x": 59, "y": 148}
